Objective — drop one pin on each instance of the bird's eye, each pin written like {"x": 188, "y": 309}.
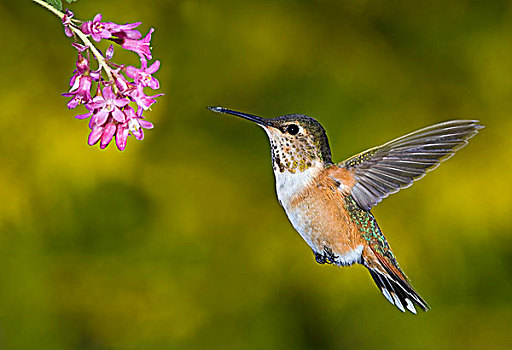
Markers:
{"x": 292, "y": 129}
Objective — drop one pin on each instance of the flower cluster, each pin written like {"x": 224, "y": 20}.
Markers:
{"x": 113, "y": 93}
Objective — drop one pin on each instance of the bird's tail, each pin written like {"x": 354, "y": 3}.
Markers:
{"x": 396, "y": 289}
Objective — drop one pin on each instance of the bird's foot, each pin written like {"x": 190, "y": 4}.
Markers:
{"x": 320, "y": 258}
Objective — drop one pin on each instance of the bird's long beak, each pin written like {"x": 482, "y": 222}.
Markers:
{"x": 253, "y": 118}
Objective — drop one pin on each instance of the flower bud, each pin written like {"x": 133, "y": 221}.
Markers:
{"x": 82, "y": 64}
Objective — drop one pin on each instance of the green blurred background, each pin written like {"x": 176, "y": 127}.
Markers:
{"x": 179, "y": 242}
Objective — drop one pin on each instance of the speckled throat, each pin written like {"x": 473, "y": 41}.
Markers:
{"x": 291, "y": 154}
{"x": 296, "y": 153}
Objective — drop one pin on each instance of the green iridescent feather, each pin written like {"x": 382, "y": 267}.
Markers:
{"x": 370, "y": 230}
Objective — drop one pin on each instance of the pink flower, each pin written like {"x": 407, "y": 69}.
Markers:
{"x": 83, "y": 116}
{"x": 95, "y": 74}
{"x": 121, "y": 83}
{"x": 82, "y": 67}
{"x": 108, "y": 134}
{"x": 116, "y": 85}
{"x": 142, "y": 47}
{"x": 75, "y": 101}
{"x": 124, "y": 30}
{"x": 97, "y": 29}
{"x": 82, "y": 64}
{"x": 141, "y": 99}
{"x": 107, "y": 105}
{"x": 95, "y": 134}
{"x": 136, "y": 124}
{"x": 133, "y": 125}
{"x": 110, "y": 52}
{"x": 66, "y": 21}
{"x": 80, "y": 91}
{"x": 104, "y": 134}
{"x": 121, "y": 136}
{"x": 143, "y": 76}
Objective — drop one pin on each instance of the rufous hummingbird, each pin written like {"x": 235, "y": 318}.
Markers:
{"x": 329, "y": 203}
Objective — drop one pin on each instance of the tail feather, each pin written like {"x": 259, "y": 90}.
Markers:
{"x": 397, "y": 291}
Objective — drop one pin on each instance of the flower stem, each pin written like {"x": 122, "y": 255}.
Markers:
{"x": 101, "y": 60}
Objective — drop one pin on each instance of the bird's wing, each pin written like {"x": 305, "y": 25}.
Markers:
{"x": 382, "y": 170}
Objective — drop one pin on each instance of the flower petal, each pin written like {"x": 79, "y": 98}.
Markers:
{"x": 96, "y": 37}
{"x": 145, "y": 124}
{"x": 121, "y": 82}
{"x": 99, "y": 103}
{"x": 95, "y": 74}
{"x": 92, "y": 122}
{"x": 147, "y": 38}
{"x": 154, "y": 83}
{"x": 74, "y": 81}
{"x": 139, "y": 134}
{"x": 101, "y": 116}
{"x": 110, "y": 52}
{"x": 128, "y": 26}
{"x": 121, "y": 137}
{"x": 108, "y": 94}
{"x": 132, "y": 72}
{"x": 108, "y": 134}
{"x": 143, "y": 64}
{"x": 68, "y": 31}
{"x": 130, "y": 34}
{"x": 129, "y": 112}
{"x": 87, "y": 27}
{"x": 154, "y": 67}
{"x": 83, "y": 116}
{"x": 95, "y": 135}
{"x": 118, "y": 115}
{"x": 121, "y": 102}
{"x": 74, "y": 102}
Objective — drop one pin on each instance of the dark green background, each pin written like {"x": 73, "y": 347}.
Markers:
{"x": 179, "y": 242}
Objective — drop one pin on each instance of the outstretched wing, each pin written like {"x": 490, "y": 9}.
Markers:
{"x": 386, "y": 169}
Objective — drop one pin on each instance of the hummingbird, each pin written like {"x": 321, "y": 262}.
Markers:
{"x": 329, "y": 204}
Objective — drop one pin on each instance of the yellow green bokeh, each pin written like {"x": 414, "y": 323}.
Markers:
{"x": 179, "y": 242}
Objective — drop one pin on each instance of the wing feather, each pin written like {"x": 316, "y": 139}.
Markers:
{"x": 381, "y": 171}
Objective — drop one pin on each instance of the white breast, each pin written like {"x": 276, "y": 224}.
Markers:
{"x": 288, "y": 185}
